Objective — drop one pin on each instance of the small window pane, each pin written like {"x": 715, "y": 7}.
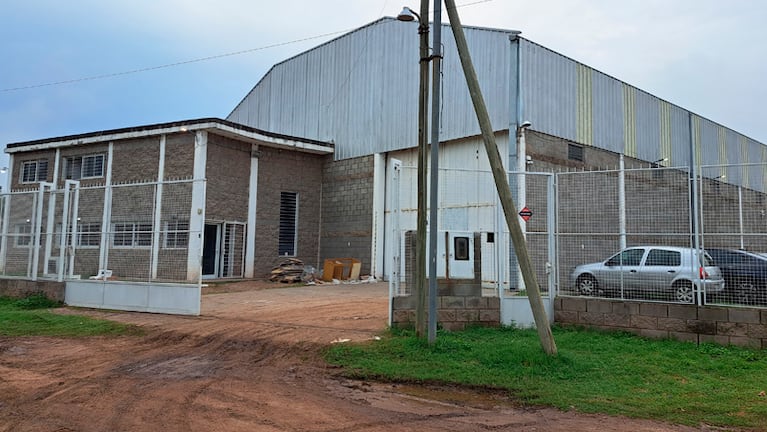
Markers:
{"x": 461, "y": 248}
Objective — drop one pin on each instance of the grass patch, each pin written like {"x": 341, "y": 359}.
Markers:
{"x": 31, "y": 316}
{"x": 595, "y": 372}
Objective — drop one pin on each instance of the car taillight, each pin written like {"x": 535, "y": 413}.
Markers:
{"x": 703, "y": 273}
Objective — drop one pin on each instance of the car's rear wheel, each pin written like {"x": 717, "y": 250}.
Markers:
{"x": 683, "y": 292}
{"x": 587, "y": 285}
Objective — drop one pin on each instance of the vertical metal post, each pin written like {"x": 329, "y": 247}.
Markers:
{"x": 434, "y": 170}
{"x": 622, "y": 201}
{"x": 63, "y": 236}
{"x": 551, "y": 226}
{"x": 394, "y": 275}
{"x": 37, "y": 223}
{"x": 740, "y": 215}
{"x": 695, "y": 206}
{"x": 75, "y": 212}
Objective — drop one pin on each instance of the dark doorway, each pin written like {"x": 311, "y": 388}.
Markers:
{"x": 210, "y": 250}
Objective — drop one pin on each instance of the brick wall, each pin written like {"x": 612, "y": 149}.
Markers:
{"x": 347, "y": 210}
{"x": 736, "y": 326}
{"x": 287, "y": 171}
{"x": 228, "y": 179}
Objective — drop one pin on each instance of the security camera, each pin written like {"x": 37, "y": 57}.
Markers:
{"x": 525, "y": 124}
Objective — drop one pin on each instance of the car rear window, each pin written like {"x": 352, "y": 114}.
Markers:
{"x": 661, "y": 257}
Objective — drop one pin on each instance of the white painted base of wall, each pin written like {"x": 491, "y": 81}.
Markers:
{"x": 167, "y": 298}
{"x": 516, "y": 311}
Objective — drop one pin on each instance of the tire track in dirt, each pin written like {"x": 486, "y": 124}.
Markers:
{"x": 251, "y": 362}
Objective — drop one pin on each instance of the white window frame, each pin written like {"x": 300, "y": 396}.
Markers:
{"x": 70, "y": 167}
{"x": 23, "y": 237}
{"x": 84, "y": 229}
{"x": 37, "y": 177}
{"x": 137, "y": 231}
{"x": 176, "y": 234}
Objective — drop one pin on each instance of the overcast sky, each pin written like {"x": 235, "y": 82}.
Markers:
{"x": 704, "y": 55}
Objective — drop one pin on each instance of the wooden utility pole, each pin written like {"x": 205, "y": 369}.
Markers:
{"x": 423, "y": 138}
{"x": 502, "y": 184}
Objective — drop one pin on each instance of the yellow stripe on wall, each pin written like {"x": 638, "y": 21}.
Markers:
{"x": 584, "y": 113}
{"x": 722, "y": 142}
{"x": 665, "y": 132}
{"x": 745, "y": 178}
{"x": 629, "y": 121}
{"x": 696, "y": 140}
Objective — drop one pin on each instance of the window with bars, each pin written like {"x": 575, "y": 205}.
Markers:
{"x": 288, "y": 223}
{"x": 88, "y": 234}
{"x": 34, "y": 171}
{"x": 83, "y": 167}
{"x": 176, "y": 235}
{"x": 575, "y": 152}
{"x": 132, "y": 235}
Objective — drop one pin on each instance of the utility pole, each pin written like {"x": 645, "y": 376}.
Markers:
{"x": 423, "y": 137}
{"x": 436, "y": 70}
{"x": 501, "y": 183}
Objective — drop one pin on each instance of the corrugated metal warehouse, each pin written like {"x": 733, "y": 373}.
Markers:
{"x": 359, "y": 91}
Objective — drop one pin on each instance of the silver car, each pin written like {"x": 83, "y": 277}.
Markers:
{"x": 652, "y": 270}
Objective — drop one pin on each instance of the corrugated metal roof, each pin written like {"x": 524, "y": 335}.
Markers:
{"x": 360, "y": 91}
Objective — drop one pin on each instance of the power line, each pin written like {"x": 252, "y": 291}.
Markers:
{"x": 198, "y": 60}
{"x": 169, "y": 65}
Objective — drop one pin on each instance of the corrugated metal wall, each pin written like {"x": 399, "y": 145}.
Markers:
{"x": 564, "y": 98}
{"x": 360, "y": 90}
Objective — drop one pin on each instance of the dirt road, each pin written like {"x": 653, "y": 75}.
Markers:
{"x": 250, "y": 362}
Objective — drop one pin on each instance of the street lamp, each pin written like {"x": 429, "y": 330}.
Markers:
{"x": 408, "y": 15}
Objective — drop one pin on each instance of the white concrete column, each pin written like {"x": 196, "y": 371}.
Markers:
{"x": 51, "y": 227}
{"x": 197, "y": 211}
{"x": 250, "y": 236}
{"x": 157, "y": 222}
{"x": 106, "y": 215}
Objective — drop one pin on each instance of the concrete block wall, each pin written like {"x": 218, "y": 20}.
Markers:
{"x": 699, "y": 324}
{"x": 347, "y": 210}
{"x": 459, "y": 301}
{"x": 18, "y": 288}
{"x": 455, "y": 310}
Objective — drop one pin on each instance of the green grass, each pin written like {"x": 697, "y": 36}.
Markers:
{"x": 612, "y": 373}
{"x": 32, "y": 317}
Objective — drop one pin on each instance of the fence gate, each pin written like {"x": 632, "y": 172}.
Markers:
{"x": 534, "y": 196}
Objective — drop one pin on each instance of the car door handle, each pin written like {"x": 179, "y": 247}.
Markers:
{"x": 672, "y": 271}
{"x": 632, "y": 271}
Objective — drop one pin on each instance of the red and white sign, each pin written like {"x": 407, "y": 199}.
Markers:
{"x": 526, "y": 214}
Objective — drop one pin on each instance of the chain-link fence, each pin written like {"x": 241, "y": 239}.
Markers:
{"x": 655, "y": 234}
{"x": 473, "y": 240}
{"x": 130, "y": 232}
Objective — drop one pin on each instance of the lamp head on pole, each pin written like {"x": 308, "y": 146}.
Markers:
{"x": 408, "y": 15}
